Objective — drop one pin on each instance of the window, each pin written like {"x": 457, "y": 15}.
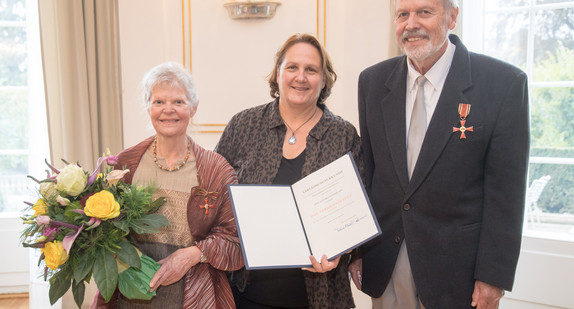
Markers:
{"x": 538, "y": 37}
{"x": 22, "y": 108}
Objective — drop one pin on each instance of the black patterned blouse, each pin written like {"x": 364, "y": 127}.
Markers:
{"x": 253, "y": 144}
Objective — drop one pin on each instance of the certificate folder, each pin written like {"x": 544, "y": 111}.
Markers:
{"x": 327, "y": 212}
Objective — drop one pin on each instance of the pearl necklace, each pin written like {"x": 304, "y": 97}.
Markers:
{"x": 293, "y": 139}
{"x": 169, "y": 169}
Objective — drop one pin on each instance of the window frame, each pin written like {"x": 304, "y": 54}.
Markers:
{"x": 473, "y": 15}
{"x": 38, "y": 141}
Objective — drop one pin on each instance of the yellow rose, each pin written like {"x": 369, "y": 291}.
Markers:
{"x": 39, "y": 208}
{"x": 54, "y": 254}
{"x": 102, "y": 205}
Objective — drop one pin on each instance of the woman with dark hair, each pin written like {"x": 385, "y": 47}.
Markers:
{"x": 279, "y": 143}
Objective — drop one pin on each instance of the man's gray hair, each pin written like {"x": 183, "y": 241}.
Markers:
{"x": 450, "y": 4}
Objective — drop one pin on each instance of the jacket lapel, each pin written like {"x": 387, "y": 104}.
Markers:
{"x": 393, "y": 110}
{"x": 440, "y": 127}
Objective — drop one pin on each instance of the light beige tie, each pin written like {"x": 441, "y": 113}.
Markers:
{"x": 417, "y": 127}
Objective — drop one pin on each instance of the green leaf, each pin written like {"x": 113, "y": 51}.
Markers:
{"x": 106, "y": 273}
{"x": 128, "y": 254}
{"x": 148, "y": 223}
{"x": 59, "y": 284}
{"x": 78, "y": 290}
{"x": 122, "y": 225}
{"x": 154, "y": 206}
{"x": 84, "y": 265}
{"x": 69, "y": 213}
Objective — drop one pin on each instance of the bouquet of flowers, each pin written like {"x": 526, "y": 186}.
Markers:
{"x": 80, "y": 223}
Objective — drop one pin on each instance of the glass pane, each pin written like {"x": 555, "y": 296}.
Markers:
{"x": 499, "y": 4}
{"x": 13, "y": 119}
{"x": 13, "y": 193}
{"x": 13, "y": 56}
{"x": 14, "y": 186}
{"x": 14, "y": 144}
{"x": 554, "y": 41}
{"x": 551, "y": 125}
{"x": 14, "y": 149}
{"x": 14, "y": 165}
{"x": 506, "y": 36}
{"x": 550, "y": 195}
{"x": 12, "y": 10}
{"x": 21, "y": 154}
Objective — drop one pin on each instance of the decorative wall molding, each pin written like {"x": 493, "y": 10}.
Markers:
{"x": 322, "y": 21}
{"x": 186, "y": 34}
{"x": 208, "y": 128}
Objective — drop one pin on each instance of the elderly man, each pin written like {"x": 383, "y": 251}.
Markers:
{"x": 445, "y": 138}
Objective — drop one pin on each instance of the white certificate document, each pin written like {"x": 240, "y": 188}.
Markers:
{"x": 327, "y": 212}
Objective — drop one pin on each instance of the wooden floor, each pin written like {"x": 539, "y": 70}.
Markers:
{"x": 14, "y": 301}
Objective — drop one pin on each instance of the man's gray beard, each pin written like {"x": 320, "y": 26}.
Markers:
{"x": 420, "y": 54}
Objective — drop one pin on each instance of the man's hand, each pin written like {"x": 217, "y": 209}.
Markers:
{"x": 486, "y": 296}
{"x": 356, "y": 271}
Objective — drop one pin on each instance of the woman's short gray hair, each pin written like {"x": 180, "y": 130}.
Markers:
{"x": 171, "y": 74}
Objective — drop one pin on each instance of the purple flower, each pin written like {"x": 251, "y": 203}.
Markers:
{"x": 93, "y": 223}
{"x": 111, "y": 160}
{"x": 94, "y": 174}
{"x": 69, "y": 240}
{"x": 49, "y": 231}
{"x": 43, "y": 220}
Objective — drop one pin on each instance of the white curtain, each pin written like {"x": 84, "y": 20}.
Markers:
{"x": 80, "y": 55}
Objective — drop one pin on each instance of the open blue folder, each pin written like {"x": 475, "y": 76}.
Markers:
{"x": 327, "y": 212}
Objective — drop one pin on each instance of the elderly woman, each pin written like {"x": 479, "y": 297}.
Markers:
{"x": 201, "y": 242}
{"x": 279, "y": 143}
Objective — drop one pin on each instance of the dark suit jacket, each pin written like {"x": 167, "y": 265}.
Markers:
{"x": 461, "y": 214}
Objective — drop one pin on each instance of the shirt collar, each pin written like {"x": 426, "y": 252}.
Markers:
{"x": 436, "y": 75}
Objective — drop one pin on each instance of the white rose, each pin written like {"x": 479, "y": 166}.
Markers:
{"x": 72, "y": 180}
{"x": 48, "y": 190}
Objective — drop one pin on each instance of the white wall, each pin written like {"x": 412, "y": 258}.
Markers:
{"x": 232, "y": 58}
{"x": 544, "y": 276}
{"x": 14, "y": 273}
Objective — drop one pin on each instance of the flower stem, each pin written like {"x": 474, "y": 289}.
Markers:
{"x": 64, "y": 224}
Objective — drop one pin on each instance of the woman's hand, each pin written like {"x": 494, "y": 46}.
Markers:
{"x": 174, "y": 267}
{"x": 322, "y": 267}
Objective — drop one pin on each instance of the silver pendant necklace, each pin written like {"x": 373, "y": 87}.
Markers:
{"x": 293, "y": 139}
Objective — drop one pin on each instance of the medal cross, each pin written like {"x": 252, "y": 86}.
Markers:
{"x": 206, "y": 206}
{"x": 462, "y": 129}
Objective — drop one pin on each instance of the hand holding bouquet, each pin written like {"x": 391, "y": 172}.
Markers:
{"x": 80, "y": 222}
